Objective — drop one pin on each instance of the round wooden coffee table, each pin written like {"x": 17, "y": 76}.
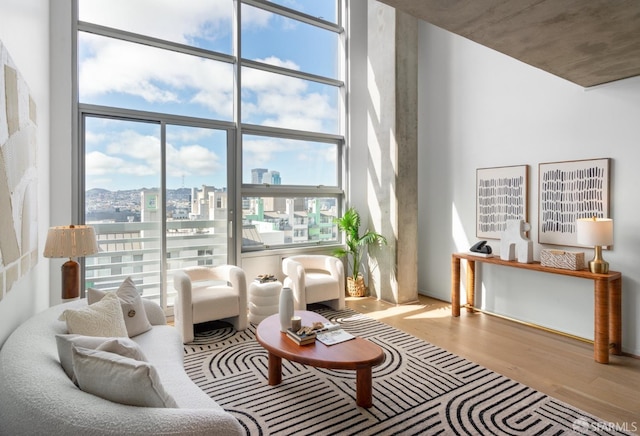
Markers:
{"x": 359, "y": 354}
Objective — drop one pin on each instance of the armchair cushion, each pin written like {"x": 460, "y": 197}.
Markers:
{"x": 207, "y": 307}
{"x": 317, "y": 285}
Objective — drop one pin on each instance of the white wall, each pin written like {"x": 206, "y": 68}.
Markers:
{"x": 479, "y": 108}
{"x": 24, "y": 31}
{"x": 360, "y": 105}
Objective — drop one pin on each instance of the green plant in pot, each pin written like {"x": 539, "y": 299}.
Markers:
{"x": 356, "y": 246}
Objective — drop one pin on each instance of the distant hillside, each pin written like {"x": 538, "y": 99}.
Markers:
{"x": 101, "y": 191}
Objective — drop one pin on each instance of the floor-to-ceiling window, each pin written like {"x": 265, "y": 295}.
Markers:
{"x": 207, "y": 128}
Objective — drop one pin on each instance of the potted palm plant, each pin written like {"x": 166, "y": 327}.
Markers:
{"x": 356, "y": 245}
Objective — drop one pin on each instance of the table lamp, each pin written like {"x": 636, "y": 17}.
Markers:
{"x": 597, "y": 232}
{"x": 70, "y": 241}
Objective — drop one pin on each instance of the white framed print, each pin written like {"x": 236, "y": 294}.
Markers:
{"x": 568, "y": 191}
{"x": 501, "y": 194}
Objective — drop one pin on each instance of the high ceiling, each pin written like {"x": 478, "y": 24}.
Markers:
{"x": 588, "y": 42}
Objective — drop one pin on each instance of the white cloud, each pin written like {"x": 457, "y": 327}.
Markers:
{"x": 157, "y": 76}
{"x": 273, "y": 60}
{"x": 194, "y": 160}
{"x": 134, "y": 145}
{"x": 187, "y": 134}
{"x": 305, "y": 112}
{"x": 255, "y": 17}
{"x": 260, "y": 152}
{"x": 284, "y": 101}
{"x": 166, "y": 19}
{"x": 93, "y": 137}
{"x": 111, "y": 68}
{"x": 100, "y": 164}
{"x": 131, "y": 153}
{"x": 269, "y": 153}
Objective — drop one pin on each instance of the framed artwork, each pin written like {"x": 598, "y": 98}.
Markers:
{"x": 568, "y": 191}
{"x": 501, "y": 195}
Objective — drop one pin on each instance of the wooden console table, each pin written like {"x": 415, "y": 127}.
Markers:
{"x": 607, "y": 288}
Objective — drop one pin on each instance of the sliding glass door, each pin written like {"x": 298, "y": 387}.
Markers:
{"x": 157, "y": 196}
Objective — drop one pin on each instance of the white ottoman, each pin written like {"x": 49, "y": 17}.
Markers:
{"x": 264, "y": 300}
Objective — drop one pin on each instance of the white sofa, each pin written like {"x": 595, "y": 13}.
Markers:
{"x": 37, "y": 396}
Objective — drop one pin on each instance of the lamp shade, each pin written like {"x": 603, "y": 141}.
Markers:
{"x": 594, "y": 231}
{"x": 71, "y": 241}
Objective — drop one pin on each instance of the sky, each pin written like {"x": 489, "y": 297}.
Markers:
{"x": 126, "y": 154}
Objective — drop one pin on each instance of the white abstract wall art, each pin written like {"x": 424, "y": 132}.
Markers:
{"x": 501, "y": 195}
{"x": 568, "y": 191}
{"x": 18, "y": 176}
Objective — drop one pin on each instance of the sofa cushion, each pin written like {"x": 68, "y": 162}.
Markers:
{"x": 119, "y": 379}
{"x": 103, "y": 318}
{"x": 122, "y": 346}
{"x": 133, "y": 311}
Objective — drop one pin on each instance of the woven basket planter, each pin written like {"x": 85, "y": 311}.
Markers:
{"x": 356, "y": 288}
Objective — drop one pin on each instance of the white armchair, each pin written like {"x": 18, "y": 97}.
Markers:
{"x": 208, "y": 294}
{"x": 315, "y": 278}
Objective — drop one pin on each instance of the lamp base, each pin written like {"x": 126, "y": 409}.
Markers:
{"x": 598, "y": 265}
{"x": 70, "y": 272}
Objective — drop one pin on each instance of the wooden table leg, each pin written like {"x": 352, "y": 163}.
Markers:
{"x": 364, "y": 395}
{"x": 455, "y": 286}
{"x": 471, "y": 285}
{"x": 615, "y": 315}
{"x": 275, "y": 369}
{"x": 601, "y": 322}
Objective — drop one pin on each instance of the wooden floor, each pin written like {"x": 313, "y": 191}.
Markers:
{"x": 559, "y": 366}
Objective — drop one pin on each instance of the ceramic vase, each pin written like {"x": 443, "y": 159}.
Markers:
{"x": 286, "y": 309}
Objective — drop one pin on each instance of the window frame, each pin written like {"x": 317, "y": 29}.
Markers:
{"x": 236, "y": 128}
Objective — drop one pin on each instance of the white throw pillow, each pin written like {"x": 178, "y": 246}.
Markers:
{"x": 103, "y": 318}
{"x": 135, "y": 316}
{"x": 119, "y": 379}
{"x": 122, "y": 346}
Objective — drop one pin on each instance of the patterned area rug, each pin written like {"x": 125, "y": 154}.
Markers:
{"x": 419, "y": 389}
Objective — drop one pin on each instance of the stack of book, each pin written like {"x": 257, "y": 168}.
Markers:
{"x": 301, "y": 339}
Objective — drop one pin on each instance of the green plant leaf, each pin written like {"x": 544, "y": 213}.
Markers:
{"x": 356, "y": 244}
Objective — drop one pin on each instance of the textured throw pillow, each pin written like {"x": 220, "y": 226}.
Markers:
{"x": 103, "y": 318}
{"x": 119, "y": 379}
{"x": 135, "y": 317}
{"x": 122, "y": 346}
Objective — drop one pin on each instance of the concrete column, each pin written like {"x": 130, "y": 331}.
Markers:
{"x": 392, "y": 191}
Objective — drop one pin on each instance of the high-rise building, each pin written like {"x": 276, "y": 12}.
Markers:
{"x": 263, "y": 175}
{"x": 272, "y": 178}
{"x": 257, "y": 175}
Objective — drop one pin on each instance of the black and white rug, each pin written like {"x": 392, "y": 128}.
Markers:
{"x": 419, "y": 389}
